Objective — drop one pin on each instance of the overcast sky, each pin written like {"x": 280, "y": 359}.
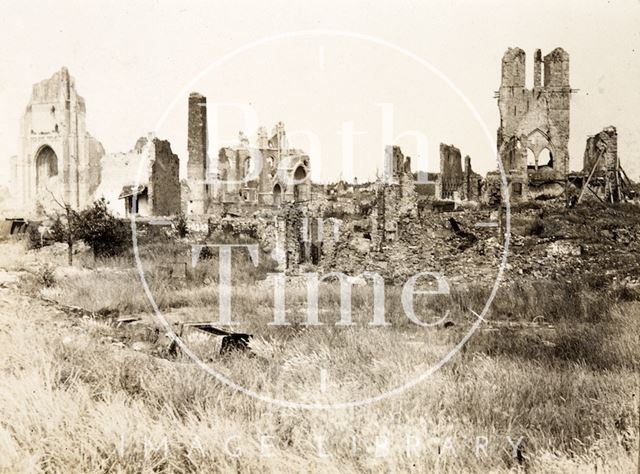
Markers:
{"x": 135, "y": 63}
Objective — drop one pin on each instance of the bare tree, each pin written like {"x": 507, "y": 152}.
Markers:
{"x": 69, "y": 230}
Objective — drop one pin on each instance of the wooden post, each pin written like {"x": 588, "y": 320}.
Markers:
{"x": 500, "y": 225}
{"x": 584, "y": 186}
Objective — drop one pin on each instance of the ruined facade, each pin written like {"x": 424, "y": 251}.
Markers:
{"x": 533, "y": 135}
{"x": 601, "y": 152}
{"x": 454, "y": 182}
{"x": 244, "y": 177}
{"x": 601, "y": 166}
{"x": 144, "y": 181}
{"x": 395, "y": 198}
{"x": 472, "y": 183}
{"x": 58, "y": 157}
{"x": 269, "y": 173}
{"x": 451, "y": 178}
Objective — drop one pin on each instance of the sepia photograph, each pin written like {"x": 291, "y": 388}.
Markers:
{"x": 358, "y": 236}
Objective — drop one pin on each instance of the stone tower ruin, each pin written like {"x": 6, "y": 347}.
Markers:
{"x": 534, "y": 122}
{"x": 59, "y": 160}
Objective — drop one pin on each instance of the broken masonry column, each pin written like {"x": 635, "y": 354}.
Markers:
{"x": 609, "y": 136}
{"x": 164, "y": 181}
{"x": 393, "y": 163}
{"x": 466, "y": 192}
{"x": 451, "y": 176}
{"x": 558, "y": 93}
{"x": 197, "y": 148}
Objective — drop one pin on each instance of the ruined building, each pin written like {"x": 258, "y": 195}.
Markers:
{"x": 601, "y": 172}
{"x": 143, "y": 181}
{"x": 270, "y": 173}
{"x": 59, "y": 160}
{"x": 534, "y": 123}
{"x": 244, "y": 177}
{"x": 395, "y": 198}
{"x": 454, "y": 183}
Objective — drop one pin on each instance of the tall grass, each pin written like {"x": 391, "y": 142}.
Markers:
{"x": 556, "y": 363}
{"x": 69, "y": 403}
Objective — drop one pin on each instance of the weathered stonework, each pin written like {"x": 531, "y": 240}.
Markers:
{"x": 395, "y": 199}
{"x": 149, "y": 173}
{"x": 164, "y": 182}
{"x": 534, "y": 123}
{"x": 472, "y": 184}
{"x": 451, "y": 178}
{"x": 602, "y": 165}
{"x": 601, "y": 151}
{"x": 58, "y": 157}
{"x": 197, "y": 165}
{"x": 244, "y": 178}
{"x": 454, "y": 183}
{"x": 268, "y": 174}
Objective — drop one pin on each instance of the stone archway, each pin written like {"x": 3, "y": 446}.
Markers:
{"x": 46, "y": 167}
{"x": 277, "y": 195}
{"x": 299, "y": 175}
{"x": 545, "y": 158}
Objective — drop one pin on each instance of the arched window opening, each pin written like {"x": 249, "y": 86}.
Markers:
{"x": 277, "y": 195}
{"x": 545, "y": 159}
{"x": 46, "y": 166}
{"x": 299, "y": 173}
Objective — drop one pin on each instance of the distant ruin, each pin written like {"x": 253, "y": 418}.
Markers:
{"x": 453, "y": 182}
{"x": 244, "y": 176}
{"x": 143, "y": 181}
{"x": 602, "y": 173}
{"x": 262, "y": 189}
{"x": 533, "y": 135}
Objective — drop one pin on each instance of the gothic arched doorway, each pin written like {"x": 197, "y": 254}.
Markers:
{"x": 277, "y": 195}
{"x": 46, "y": 167}
{"x": 299, "y": 176}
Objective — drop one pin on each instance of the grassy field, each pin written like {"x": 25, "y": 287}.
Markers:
{"x": 554, "y": 372}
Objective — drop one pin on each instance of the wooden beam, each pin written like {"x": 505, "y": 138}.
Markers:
{"x": 596, "y": 195}
{"x": 586, "y": 184}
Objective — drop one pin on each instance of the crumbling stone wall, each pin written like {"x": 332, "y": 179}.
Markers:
{"x": 395, "y": 198}
{"x": 393, "y": 163}
{"x": 150, "y": 164}
{"x": 451, "y": 178}
{"x": 472, "y": 186}
{"x": 602, "y": 149}
{"x": 164, "y": 184}
{"x": 601, "y": 162}
{"x": 269, "y": 174}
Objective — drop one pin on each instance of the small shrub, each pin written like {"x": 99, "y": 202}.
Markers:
{"x": 181, "y": 226}
{"x": 34, "y": 239}
{"x": 535, "y": 227}
{"x": 104, "y": 233}
{"x": 58, "y": 230}
{"x": 46, "y": 276}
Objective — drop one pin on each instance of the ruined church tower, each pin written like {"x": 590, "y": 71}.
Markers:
{"x": 59, "y": 160}
{"x": 533, "y": 135}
